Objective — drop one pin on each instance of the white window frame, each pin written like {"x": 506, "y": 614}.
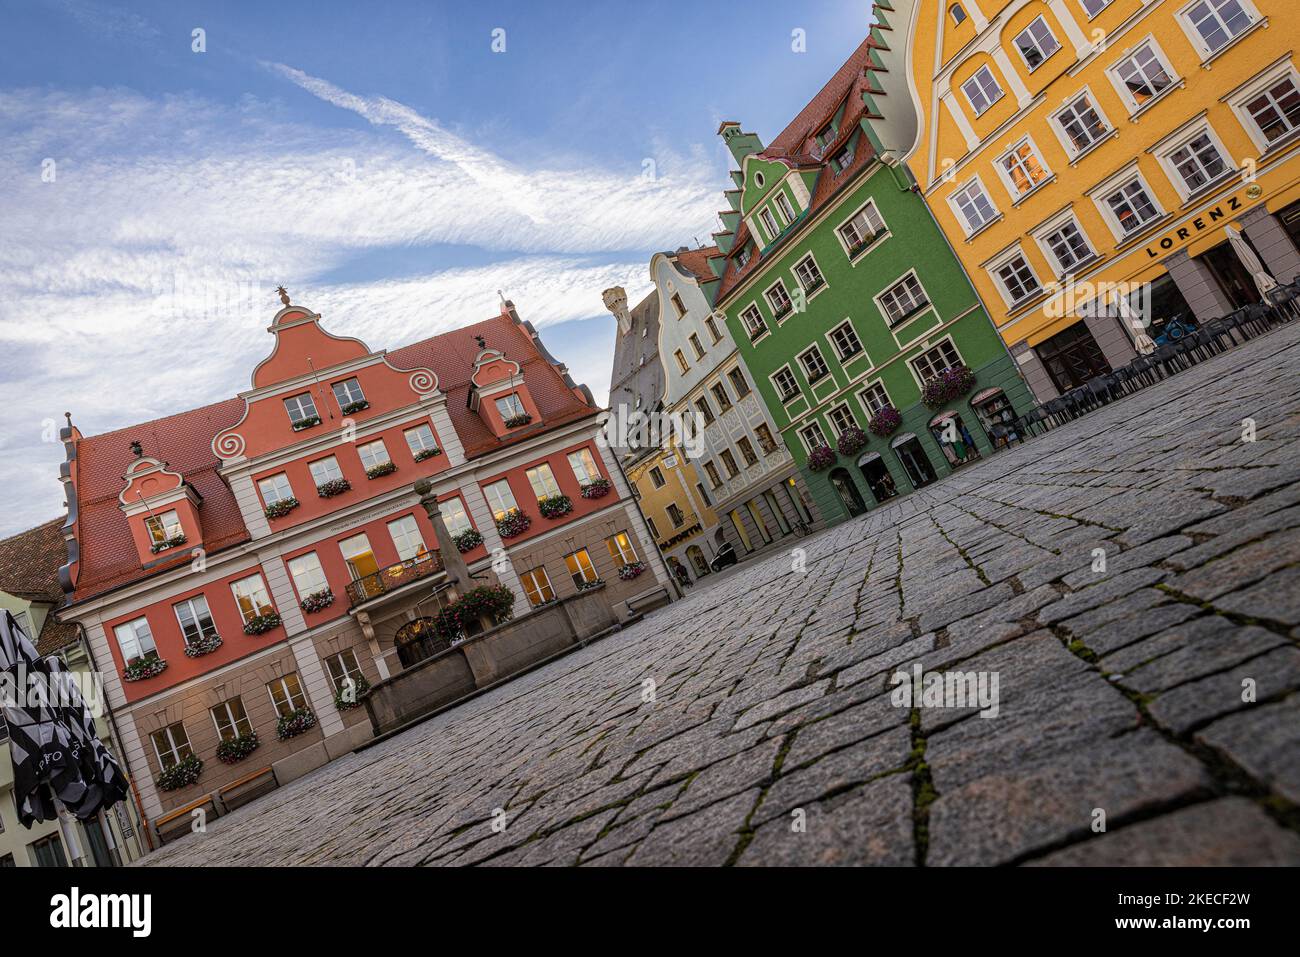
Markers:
{"x": 583, "y": 570}
{"x": 409, "y": 524}
{"x": 803, "y": 366}
{"x": 963, "y": 192}
{"x": 304, "y": 577}
{"x": 1121, "y": 88}
{"x": 753, "y": 311}
{"x": 282, "y": 684}
{"x": 447, "y": 518}
{"x": 297, "y": 412}
{"x": 812, "y": 424}
{"x": 541, "y": 479}
{"x": 134, "y": 646}
{"x": 880, "y": 235}
{"x": 781, "y": 394}
{"x": 1090, "y": 14}
{"x": 500, "y": 490}
{"x": 974, "y": 78}
{"x": 332, "y": 466}
{"x": 1006, "y": 258}
{"x": 537, "y": 583}
{"x": 1067, "y": 144}
{"x": 912, "y": 314}
{"x": 617, "y": 551}
{"x": 862, "y": 397}
{"x": 353, "y": 671}
{"x": 276, "y": 493}
{"x": 1164, "y": 152}
{"x": 254, "y": 596}
{"x": 804, "y": 260}
{"x": 346, "y": 386}
{"x": 770, "y": 225}
{"x": 582, "y": 459}
{"x": 835, "y": 425}
{"x": 163, "y": 527}
{"x": 1100, "y": 196}
{"x": 174, "y": 752}
{"x": 783, "y": 206}
{"x": 228, "y": 713}
{"x": 1036, "y": 43}
{"x": 1250, "y": 90}
{"x": 418, "y": 432}
{"x": 1199, "y": 44}
{"x": 926, "y": 350}
{"x": 858, "y": 353}
{"x": 1054, "y": 225}
{"x": 191, "y": 607}
{"x": 373, "y": 450}
{"x": 1008, "y": 181}
{"x": 767, "y": 296}
{"x": 510, "y": 406}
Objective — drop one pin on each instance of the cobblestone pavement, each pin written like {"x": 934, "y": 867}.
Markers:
{"x": 1119, "y": 690}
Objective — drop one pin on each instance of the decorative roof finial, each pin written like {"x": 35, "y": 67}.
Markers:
{"x": 501, "y": 296}
{"x": 482, "y": 343}
{"x": 68, "y": 416}
{"x": 137, "y": 449}
{"x": 284, "y": 294}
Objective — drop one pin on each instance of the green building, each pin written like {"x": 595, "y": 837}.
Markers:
{"x": 848, "y": 305}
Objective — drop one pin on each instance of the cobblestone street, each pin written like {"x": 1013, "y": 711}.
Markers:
{"x": 1121, "y": 691}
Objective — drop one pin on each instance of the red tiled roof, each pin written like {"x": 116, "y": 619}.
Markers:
{"x": 29, "y": 569}
{"x": 696, "y": 262}
{"x": 184, "y": 441}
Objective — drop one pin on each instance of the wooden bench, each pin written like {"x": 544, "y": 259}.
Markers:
{"x": 176, "y": 824}
{"x": 248, "y": 788}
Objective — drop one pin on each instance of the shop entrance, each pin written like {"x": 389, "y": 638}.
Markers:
{"x": 1233, "y": 278}
{"x": 914, "y": 460}
{"x": 955, "y": 441}
{"x": 878, "y": 478}
{"x": 849, "y": 495}
{"x": 1072, "y": 357}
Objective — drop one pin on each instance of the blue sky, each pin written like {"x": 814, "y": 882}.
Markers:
{"x": 380, "y": 160}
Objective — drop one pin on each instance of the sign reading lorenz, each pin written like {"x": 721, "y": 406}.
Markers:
{"x": 1208, "y": 217}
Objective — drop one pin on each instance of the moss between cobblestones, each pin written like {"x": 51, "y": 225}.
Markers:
{"x": 923, "y": 792}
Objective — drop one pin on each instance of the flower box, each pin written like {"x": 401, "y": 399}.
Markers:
{"x": 515, "y": 421}
{"x": 234, "y": 750}
{"x": 597, "y": 488}
{"x": 950, "y": 384}
{"x": 358, "y": 406}
{"x": 172, "y": 542}
{"x": 333, "y": 487}
{"x": 380, "y": 470}
{"x": 513, "y": 523}
{"x": 202, "y": 645}
{"x": 493, "y": 602}
{"x": 181, "y": 774}
{"x": 885, "y": 422}
{"x": 310, "y": 422}
{"x": 348, "y": 698}
{"x": 146, "y": 666}
{"x": 423, "y": 454}
{"x": 631, "y": 570}
{"x": 467, "y": 540}
{"x": 260, "y": 624}
{"x": 281, "y": 508}
{"x": 318, "y": 601}
{"x": 822, "y": 457}
{"x": 594, "y": 583}
{"x": 295, "y": 723}
{"x": 852, "y": 441}
{"x": 554, "y": 506}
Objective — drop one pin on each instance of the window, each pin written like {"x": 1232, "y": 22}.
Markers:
{"x": 584, "y": 467}
{"x": 650, "y": 523}
{"x": 275, "y": 488}
{"x": 510, "y": 407}
{"x": 342, "y": 667}
{"x": 753, "y": 321}
{"x": 286, "y": 694}
{"x": 1276, "y": 111}
{"x": 675, "y": 515}
{"x": 809, "y": 276}
{"x": 729, "y": 463}
{"x": 862, "y": 229}
{"x": 697, "y": 346}
{"x": 930, "y": 364}
{"x": 24, "y": 621}
{"x": 1132, "y": 206}
{"x": 420, "y": 439}
{"x": 231, "y": 719}
{"x": 1217, "y": 21}
{"x": 48, "y": 852}
{"x": 974, "y": 205}
{"x": 581, "y": 570}
{"x": 1198, "y": 162}
{"x": 620, "y": 549}
{"x": 195, "y": 619}
{"x": 842, "y": 160}
{"x": 958, "y": 14}
{"x": 251, "y": 597}
{"x": 682, "y": 365}
{"x": 699, "y": 487}
{"x": 301, "y": 409}
{"x": 307, "y": 574}
{"x": 1142, "y": 76}
{"x": 679, "y": 307}
{"x": 1022, "y": 168}
{"x": 814, "y": 366}
{"x": 1068, "y": 246}
{"x": 500, "y": 499}
{"x": 711, "y": 471}
{"x": 325, "y": 470}
{"x": 359, "y": 557}
{"x": 348, "y": 392}
{"x": 812, "y": 435}
{"x": 706, "y": 411}
{"x": 747, "y": 450}
{"x": 982, "y": 90}
{"x": 542, "y": 480}
{"x": 739, "y": 382}
{"x": 373, "y": 454}
{"x": 765, "y": 440}
{"x": 720, "y": 396}
{"x": 164, "y": 527}
{"x": 1081, "y": 123}
{"x": 784, "y": 207}
{"x": 134, "y": 639}
{"x": 842, "y": 419}
{"x": 874, "y": 398}
{"x": 171, "y": 745}
{"x": 903, "y": 300}
{"x": 537, "y": 586}
{"x": 1036, "y": 43}
{"x": 778, "y": 299}
{"x": 454, "y": 516}
{"x": 1093, "y": 7}
{"x": 1018, "y": 280}
{"x": 786, "y": 385}
{"x": 711, "y": 324}
{"x": 742, "y": 258}
{"x": 845, "y": 341}
{"x": 769, "y": 222}
{"x": 406, "y": 536}
{"x": 657, "y": 477}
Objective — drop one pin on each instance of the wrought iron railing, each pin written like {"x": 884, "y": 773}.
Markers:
{"x": 392, "y": 577}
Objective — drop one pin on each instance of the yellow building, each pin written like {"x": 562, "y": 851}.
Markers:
{"x": 1080, "y": 151}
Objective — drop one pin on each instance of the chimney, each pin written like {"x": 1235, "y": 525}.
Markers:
{"x": 741, "y": 144}
{"x": 616, "y": 302}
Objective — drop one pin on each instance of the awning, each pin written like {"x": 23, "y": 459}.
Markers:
{"x": 901, "y": 440}
{"x": 941, "y": 418}
{"x": 868, "y": 458}
{"x": 986, "y": 395}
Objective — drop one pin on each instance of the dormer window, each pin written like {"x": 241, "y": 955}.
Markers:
{"x": 958, "y": 14}
{"x": 769, "y": 222}
{"x": 350, "y": 397}
{"x": 842, "y": 160}
{"x": 302, "y": 411}
{"x": 164, "y": 530}
{"x": 827, "y": 135}
{"x": 785, "y": 207}
{"x": 512, "y": 410}
{"x": 742, "y": 258}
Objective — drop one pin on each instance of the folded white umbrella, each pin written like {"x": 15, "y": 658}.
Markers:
{"x": 1262, "y": 278}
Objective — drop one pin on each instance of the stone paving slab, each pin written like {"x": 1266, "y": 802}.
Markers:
{"x": 1158, "y": 693}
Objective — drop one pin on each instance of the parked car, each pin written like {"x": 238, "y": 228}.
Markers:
{"x": 726, "y": 556}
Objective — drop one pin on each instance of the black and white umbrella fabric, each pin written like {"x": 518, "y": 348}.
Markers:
{"x": 57, "y": 755}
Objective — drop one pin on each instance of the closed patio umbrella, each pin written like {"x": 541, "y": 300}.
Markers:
{"x": 1263, "y": 279}
{"x": 57, "y": 754}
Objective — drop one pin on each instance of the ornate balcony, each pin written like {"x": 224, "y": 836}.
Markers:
{"x": 392, "y": 578}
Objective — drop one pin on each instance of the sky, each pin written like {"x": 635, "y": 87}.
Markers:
{"x": 393, "y": 165}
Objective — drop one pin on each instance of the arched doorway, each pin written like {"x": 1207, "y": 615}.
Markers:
{"x": 914, "y": 460}
{"x": 954, "y": 438}
{"x": 849, "y": 495}
{"x": 877, "y": 477}
{"x": 419, "y": 639}
{"x": 698, "y": 561}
